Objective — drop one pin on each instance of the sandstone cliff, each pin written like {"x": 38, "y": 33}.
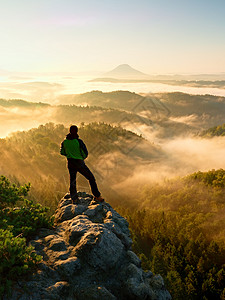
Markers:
{"x": 88, "y": 256}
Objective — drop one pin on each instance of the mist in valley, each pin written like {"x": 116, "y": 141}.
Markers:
{"x": 168, "y": 124}
{"x": 171, "y": 125}
{"x": 55, "y": 88}
{"x": 172, "y": 159}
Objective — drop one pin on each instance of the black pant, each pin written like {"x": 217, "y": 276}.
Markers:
{"x": 78, "y": 165}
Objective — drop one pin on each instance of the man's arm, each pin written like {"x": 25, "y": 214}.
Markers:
{"x": 83, "y": 148}
{"x": 62, "y": 149}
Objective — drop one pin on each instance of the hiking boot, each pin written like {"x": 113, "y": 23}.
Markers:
{"x": 99, "y": 199}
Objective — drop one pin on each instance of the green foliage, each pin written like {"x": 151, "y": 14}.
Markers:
{"x": 19, "y": 220}
{"x": 10, "y": 194}
{"x": 27, "y": 216}
{"x": 25, "y": 219}
{"x": 16, "y": 259}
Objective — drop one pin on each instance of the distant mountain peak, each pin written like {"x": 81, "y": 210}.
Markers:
{"x": 124, "y": 71}
{"x": 125, "y": 67}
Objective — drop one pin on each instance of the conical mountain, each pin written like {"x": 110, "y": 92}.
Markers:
{"x": 125, "y": 71}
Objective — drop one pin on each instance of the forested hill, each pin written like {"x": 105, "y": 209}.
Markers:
{"x": 137, "y": 116}
{"x": 117, "y": 99}
{"x": 173, "y": 104}
{"x": 214, "y": 131}
{"x": 196, "y": 111}
{"x": 22, "y": 103}
{"x": 33, "y": 156}
{"x": 165, "y": 115}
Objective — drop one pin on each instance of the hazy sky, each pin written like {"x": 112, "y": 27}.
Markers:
{"x": 154, "y": 36}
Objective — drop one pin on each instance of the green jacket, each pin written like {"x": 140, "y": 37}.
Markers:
{"x": 73, "y": 148}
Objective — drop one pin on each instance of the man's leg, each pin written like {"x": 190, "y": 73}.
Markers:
{"x": 85, "y": 171}
{"x": 73, "y": 184}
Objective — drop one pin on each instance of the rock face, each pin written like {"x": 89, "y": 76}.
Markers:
{"x": 88, "y": 256}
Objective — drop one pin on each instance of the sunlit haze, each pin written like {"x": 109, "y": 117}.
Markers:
{"x": 144, "y": 83}
{"x": 93, "y": 35}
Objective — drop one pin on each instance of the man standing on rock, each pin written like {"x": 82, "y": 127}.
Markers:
{"x": 76, "y": 151}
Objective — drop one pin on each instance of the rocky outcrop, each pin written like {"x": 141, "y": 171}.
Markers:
{"x": 88, "y": 256}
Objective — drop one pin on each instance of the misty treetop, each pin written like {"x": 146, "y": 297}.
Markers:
{"x": 200, "y": 195}
{"x": 214, "y": 131}
{"x": 215, "y": 178}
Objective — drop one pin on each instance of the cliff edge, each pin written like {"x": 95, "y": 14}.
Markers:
{"x": 88, "y": 256}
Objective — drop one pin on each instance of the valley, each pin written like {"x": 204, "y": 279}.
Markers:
{"x": 158, "y": 159}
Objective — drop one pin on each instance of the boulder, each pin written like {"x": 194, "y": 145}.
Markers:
{"x": 88, "y": 255}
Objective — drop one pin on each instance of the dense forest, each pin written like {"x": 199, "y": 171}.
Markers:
{"x": 178, "y": 229}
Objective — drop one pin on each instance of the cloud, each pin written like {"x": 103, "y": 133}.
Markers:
{"x": 15, "y": 118}
{"x": 32, "y": 91}
{"x": 188, "y": 119}
{"x": 196, "y": 154}
{"x": 182, "y": 156}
